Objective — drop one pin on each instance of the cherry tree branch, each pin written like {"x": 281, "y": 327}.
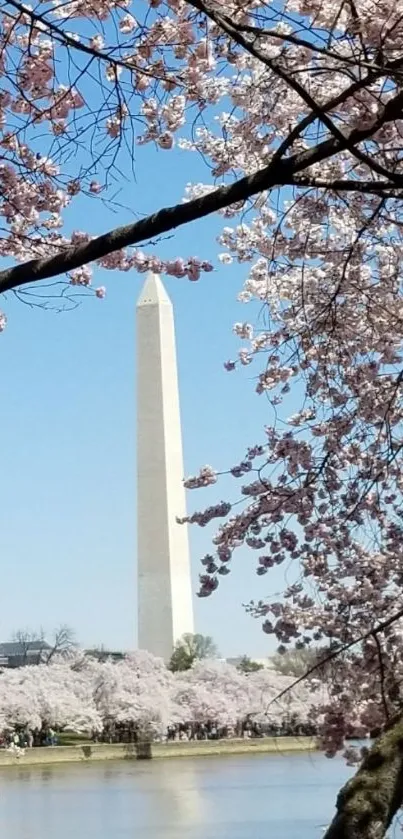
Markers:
{"x": 372, "y": 633}
{"x": 279, "y": 171}
{"x": 317, "y": 111}
{"x": 384, "y": 188}
{"x": 367, "y": 804}
{"x": 276, "y": 174}
{"x": 73, "y": 43}
{"x": 296, "y": 40}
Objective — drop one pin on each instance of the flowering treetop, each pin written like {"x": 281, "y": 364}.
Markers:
{"x": 295, "y": 95}
{"x": 80, "y": 694}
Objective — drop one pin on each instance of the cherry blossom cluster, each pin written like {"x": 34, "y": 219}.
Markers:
{"x": 126, "y": 260}
{"x": 206, "y": 477}
{"x": 324, "y": 496}
{"x": 80, "y": 694}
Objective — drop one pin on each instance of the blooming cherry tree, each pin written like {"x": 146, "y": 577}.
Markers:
{"x": 79, "y": 694}
{"x": 297, "y": 110}
{"x": 136, "y": 690}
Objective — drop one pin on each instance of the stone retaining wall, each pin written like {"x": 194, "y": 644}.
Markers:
{"x": 99, "y": 751}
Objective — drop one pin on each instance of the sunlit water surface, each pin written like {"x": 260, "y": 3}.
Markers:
{"x": 246, "y": 797}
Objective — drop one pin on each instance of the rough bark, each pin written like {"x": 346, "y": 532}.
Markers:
{"x": 367, "y": 804}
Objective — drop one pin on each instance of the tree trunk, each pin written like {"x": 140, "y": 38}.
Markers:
{"x": 368, "y": 802}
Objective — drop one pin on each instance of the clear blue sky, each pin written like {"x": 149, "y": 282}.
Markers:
{"x": 67, "y": 488}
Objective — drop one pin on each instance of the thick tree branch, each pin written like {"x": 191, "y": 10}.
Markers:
{"x": 276, "y": 174}
{"x": 384, "y": 188}
{"x": 279, "y": 172}
{"x": 367, "y": 804}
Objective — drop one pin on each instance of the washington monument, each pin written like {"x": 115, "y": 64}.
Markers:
{"x": 165, "y": 609}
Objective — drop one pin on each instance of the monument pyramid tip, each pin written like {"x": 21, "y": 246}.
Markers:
{"x": 153, "y": 291}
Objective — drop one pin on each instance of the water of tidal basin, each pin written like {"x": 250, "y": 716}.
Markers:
{"x": 246, "y": 797}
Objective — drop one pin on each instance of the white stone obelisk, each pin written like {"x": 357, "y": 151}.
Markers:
{"x": 165, "y": 607}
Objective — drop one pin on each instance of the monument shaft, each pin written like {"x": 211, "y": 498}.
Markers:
{"x": 165, "y": 610}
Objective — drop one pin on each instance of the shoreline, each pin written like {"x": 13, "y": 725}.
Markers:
{"x": 98, "y": 752}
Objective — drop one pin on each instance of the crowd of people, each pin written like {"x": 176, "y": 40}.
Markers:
{"x": 28, "y": 739}
{"x": 129, "y": 733}
{"x": 290, "y": 726}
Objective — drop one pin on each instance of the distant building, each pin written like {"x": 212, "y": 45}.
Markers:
{"x": 20, "y": 654}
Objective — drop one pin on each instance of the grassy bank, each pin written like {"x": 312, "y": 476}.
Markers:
{"x": 90, "y": 752}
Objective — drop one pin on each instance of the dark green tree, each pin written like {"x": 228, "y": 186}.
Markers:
{"x": 247, "y": 665}
{"x": 191, "y": 648}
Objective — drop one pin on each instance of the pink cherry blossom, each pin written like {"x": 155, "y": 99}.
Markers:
{"x": 81, "y": 276}
{"x": 166, "y": 140}
{"x": 95, "y": 187}
{"x": 127, "y": 24}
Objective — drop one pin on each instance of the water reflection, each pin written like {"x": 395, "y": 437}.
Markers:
{"x": 184, "y": 800}
{"x": 245, "y": 797}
